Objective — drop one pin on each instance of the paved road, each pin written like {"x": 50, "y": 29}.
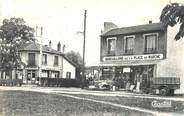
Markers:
{"x": 90, "y": 92}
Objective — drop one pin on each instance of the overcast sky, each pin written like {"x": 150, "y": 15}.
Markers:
{"x": 62, "y": 19}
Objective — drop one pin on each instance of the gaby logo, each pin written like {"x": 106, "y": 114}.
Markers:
{"x": 161, "y": 104}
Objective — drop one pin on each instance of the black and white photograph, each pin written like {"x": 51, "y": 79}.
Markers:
{"x": 91, "y": 58}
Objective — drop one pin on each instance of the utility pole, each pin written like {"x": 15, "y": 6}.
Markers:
{"x": 39, "y": 33}
{"x": 169, "y": 1}
{"x": 84, "y": 42}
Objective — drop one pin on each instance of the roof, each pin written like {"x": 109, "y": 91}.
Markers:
{"x": 135, "y": 29}
{"x": 71, "y": 62}
{"x": 36, "y": 47}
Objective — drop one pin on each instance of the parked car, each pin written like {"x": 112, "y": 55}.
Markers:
{"x": 103, "y": 84}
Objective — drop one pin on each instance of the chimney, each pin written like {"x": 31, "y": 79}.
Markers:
{"x": 150, "y": 22}
{"x": 108, "y": 26}
{"x": 59, "y": 47}
{"x": 64, "y": 48}
{"x": 50, "y": 44}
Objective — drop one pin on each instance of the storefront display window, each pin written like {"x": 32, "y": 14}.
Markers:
{"x": 131, "y": 75}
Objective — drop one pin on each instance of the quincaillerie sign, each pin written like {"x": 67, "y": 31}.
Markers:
{"x": 134, "y": 57}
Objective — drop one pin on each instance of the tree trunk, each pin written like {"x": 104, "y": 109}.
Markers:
{"x": 10, "y": 74}
{"x": 2, "y": 72}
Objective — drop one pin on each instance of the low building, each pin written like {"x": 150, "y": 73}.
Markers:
{"x": 139, "y": 54}
{"x": 54, "y": 64}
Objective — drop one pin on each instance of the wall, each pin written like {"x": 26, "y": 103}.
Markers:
{"x": 173, "y": 66}
{"x": 67, "y": 67}
{"x": 50, "y": 62}
{"x": 24, "y": 57}
{"x": 138, "y": 44}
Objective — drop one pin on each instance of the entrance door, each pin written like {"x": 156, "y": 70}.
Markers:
{"x": 31, "y": 76}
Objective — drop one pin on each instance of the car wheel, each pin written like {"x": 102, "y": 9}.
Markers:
{"x": 163, "y": 91}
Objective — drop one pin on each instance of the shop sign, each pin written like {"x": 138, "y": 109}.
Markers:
{"x": 126, "y": 70}
{"x": 134, "y": 57}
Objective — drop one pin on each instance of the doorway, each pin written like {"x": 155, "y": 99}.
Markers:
{"x": 31, "y": 76}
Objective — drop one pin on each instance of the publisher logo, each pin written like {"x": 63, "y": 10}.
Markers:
{"x": 161, "y": 104}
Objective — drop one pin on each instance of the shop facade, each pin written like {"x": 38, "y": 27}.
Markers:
{"x": 130, "y": 55}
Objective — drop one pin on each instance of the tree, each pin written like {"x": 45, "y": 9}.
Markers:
{"x": 13, "y": 34}
{"x": 75, "y": 58}
{"x": 171, "y": 15}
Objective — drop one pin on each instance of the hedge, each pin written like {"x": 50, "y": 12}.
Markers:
{"x": 59, "y": 82}
{"x": 10, "y": 82}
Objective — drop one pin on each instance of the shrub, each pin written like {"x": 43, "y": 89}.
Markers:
{"x": 10, "y": 82}
{"x": 59, "y": 82}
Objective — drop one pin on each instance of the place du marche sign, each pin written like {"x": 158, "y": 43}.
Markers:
{"x": 134, "y": 57}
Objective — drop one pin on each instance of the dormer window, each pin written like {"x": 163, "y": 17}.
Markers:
{"x": 129, "y": 44}
{"x": 111, "y": 45}
{"x": 150, "y": 41}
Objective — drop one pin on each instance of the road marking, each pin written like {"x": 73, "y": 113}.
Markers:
{"x": 48, "y": 90}
{"x": 155, "y": 113}
{"x": 120, "y": 95}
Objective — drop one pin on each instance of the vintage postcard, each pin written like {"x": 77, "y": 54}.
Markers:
{"x": 91, "y": 58}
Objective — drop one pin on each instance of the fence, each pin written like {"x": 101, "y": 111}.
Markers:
{"x": 10, "y": 82}
{"x": 59, "y": 82}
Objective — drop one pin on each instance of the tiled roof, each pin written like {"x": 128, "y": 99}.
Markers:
{"x": 134, "y": 29}
{"x": 36, "y": 47}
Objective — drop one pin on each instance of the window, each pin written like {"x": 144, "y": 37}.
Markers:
{"x": 150, "y": 43}
{"x": 55, "y": 60}
{"x": 45, "y": 73}
{"x": 68, "y": 75}
{"x": 44, "y": 59}
{"x": 111, "y": 45}
{"x": 128, "y": 44}
{"x": 54, "y": 74}
{"x": 31, "y": 59}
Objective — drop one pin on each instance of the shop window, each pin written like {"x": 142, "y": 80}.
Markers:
{"x": 150, "y": 43}
{"x": 31, "y": 75}
{"x": 111, "y": 45}
{"x": 68, "y": 75}
{"x": 55, "y": 74}
{"x": 45, "y": 73}
{"x": 31, "y": 59}
{"x": 28, "y": 76}
{"x": 44, "y": 59}
{"x": 128, "y": 44}
{"x": 108, "y": 73}
{"x": 55, "y": 60}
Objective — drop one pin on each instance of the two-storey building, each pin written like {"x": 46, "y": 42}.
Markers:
{"x": 131, "y": 54}
{"x": 53, "y": 64}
